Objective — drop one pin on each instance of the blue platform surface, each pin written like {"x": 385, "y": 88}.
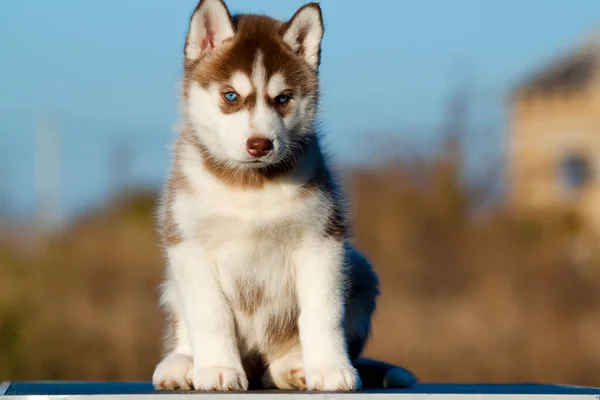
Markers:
{"x": 113, "y": 390}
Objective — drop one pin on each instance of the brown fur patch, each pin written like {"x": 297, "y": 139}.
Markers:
{"x": 177, "y": 182}
{"x": 283, "y": 332}
{"x": 171, "y": 234}
{"x": 250, "y": 296}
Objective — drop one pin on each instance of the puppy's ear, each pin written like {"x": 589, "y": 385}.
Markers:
{"x": 210, "y": 26}
{"x": 303, "y": 33}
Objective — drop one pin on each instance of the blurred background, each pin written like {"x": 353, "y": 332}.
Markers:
{"x": 467, "y": 135}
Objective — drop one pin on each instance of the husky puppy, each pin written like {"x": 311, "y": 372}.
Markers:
{"x": 262, "y": 283}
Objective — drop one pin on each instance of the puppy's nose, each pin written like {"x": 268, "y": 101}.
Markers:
{"x": 259, "y": 146}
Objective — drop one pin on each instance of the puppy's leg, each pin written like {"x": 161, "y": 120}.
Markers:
{"x": 209, "y": 318}
{"x": 285, "y": 371}
{"x": 320, "y": 274}
{"x": 175, "y": 370}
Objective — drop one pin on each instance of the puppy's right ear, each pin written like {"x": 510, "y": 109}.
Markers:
{"x": 210, "y": 25}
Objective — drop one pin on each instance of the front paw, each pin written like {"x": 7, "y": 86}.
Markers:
{"x": 173, "y": 373}
{"x": 333, "y": 378}
{"x": 219, "y": 378}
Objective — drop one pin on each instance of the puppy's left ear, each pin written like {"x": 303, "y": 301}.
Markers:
{"x": 304, "y": 33}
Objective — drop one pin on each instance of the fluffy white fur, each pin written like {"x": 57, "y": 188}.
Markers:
{"x": 266, "y": 237}
{"x": 271, "y": 237}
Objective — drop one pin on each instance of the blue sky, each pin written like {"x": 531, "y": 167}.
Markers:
{"x": 109, "y": 69}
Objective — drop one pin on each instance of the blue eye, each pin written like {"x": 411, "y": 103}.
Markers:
{"x": 231, "y": 96}
{"x": 281, "y": 99}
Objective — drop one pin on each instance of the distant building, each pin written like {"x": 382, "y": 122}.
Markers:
{"x": 553, "y": 153}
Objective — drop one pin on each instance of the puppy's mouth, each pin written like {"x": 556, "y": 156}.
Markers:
{"x": 258, "y": 163}
{"x": 253, "y": 163}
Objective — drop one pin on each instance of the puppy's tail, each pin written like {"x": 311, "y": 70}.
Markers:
{"x": 378, "y": 374}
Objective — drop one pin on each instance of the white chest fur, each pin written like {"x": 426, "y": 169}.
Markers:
{"x": 250, "y": 237}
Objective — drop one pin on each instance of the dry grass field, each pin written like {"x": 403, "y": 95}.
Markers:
{"x": 485, "y": 297}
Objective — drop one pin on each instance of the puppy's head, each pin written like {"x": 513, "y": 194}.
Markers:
{"x": 251, "y": 83}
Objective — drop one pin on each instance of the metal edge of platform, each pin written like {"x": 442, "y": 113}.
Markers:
{"x": 315, "y": 396}
{"x": 578, "y": 393}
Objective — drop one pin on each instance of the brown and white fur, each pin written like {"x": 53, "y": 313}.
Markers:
{"x": 262, "y": 283}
